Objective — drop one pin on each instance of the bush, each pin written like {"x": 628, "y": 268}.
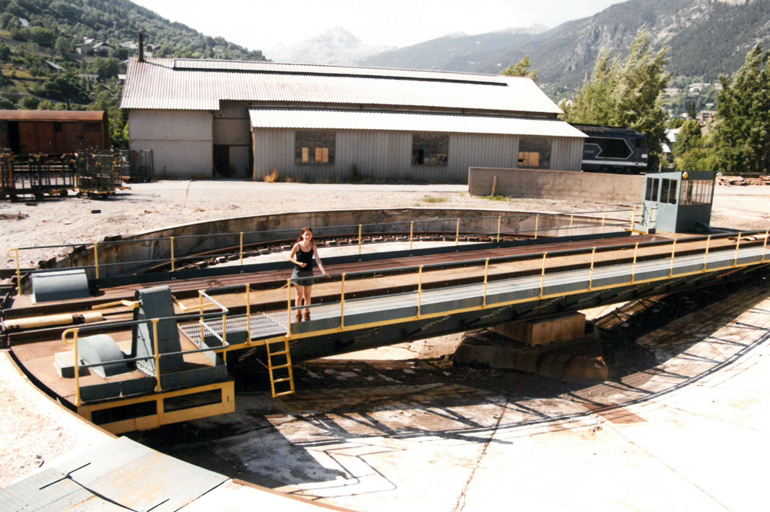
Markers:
{"x": 272, "y": 177}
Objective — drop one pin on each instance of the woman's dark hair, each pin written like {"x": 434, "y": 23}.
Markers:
{"x": 307, "y": 228}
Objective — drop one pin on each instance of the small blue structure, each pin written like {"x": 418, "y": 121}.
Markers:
{"x": 678, "y": 202}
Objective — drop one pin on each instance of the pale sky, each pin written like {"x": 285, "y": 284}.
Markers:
{"x": 262, "y": 24}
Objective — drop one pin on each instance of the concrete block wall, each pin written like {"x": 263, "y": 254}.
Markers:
{"x": 569, "y": 185}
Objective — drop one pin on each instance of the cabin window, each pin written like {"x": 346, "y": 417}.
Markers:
{"x": 430, "y": 149}
{"x": 696, "y": 191}
{"x": 534, "y": 152}
{"x": 652, "y": 190}
{"x": 668, "y": 191}
{"x": 314, "y": 147}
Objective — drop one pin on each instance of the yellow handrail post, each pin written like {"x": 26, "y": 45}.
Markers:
{"x": 633, "y": 265}
{"x": 706, "y": 256}
{"x": 158, "y": 388}
{"x": 74, "y": 333}
{"x": 591, "y": 276}
{"x": 542, "y": 276}
{"x": 241, "y": 249}
{"x": 537, "y": 221}
{"x": 360, "y": 240}
{"x": 18, "y": 270}
{"x": 486, "y": 273}
{"x": 604, "y": 218}
{"x": 737, "y": 246}
{"x": 499, "y": 226}
{"x": 673, "y": 255}
{"x": 173, "y": 262}
{"x": 96, "y": 259}
{"x": 248, "y": 313}
{"x": 457, "y": 233}
{"x": 288, "y": 306}
{"x": 764, "y": 246}
{"x": 342, "y": 302}
{"x": 411, "y": 234}
{"x": 419, "y": 292}
{"x": 571, "y": 222}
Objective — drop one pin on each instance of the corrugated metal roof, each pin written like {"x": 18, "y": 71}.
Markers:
{"x": 52, "y": 115}
{"x": 351, "y": 120}
{"x": 155, "y": 84}
{"x": 317, "y": 69}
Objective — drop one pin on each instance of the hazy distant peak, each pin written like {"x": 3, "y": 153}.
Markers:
{"x": 533, "y": 29}
{"x": 337, "y": 35}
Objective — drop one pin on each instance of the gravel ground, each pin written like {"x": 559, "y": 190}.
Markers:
{"x": 147, "y": 207}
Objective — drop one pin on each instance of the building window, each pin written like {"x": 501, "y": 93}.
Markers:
{"x": 314, "y": 147}
{"x": 534, "y": 152}
{"x": 696, "y": 191}
{"x": 430, "y": 149}
{"x": 57, "y": 128}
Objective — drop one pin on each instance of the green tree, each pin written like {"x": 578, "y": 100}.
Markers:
{"x": 627, "y": 93}
{"x": 689, "y": 138}
{"x": 106, "y": 67}
{"x": 743, "y": 117}
{"x": 521, "y": 69}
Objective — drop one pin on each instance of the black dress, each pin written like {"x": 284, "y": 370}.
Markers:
{"x": 303, "y": 276}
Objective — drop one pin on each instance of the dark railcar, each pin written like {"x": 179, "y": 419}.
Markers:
{"x": 53, "y": 132}
{"x": 614, "y": 150}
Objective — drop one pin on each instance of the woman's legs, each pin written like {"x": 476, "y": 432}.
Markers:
{"x": 307, "y": 292}
{"x": 299, "y": 297}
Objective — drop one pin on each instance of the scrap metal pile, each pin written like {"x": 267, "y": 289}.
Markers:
{"x": 84, "y": 173}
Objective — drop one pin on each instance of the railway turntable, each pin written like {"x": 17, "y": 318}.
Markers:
{"x": 144, "y": 353}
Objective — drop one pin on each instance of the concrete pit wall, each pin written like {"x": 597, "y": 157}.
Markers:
{"x": 541, "y": 184}
{"x": 132, "y": 254}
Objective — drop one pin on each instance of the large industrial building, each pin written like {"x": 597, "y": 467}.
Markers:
{"x": 205, "y": 118}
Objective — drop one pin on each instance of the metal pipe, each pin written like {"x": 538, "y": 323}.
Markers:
{"x": 96, "y": 259}
{"x": 537, "y": 221}
{"x": 542, "y": 276}
{"x": 764, "y": 246}
{"x": 419, "y": 291}
{"x": 288, "y": 307}
{"x": 74, "y": 333}
{"x": 486, "y": 272}
{"x": 499, "y": 226}
{"x": 604, "y": 219}
{"x": 591, "y": 276}
{"x": 158, "y": 388}
{"x": 360, "y": 240}
{"x": 737, "y": 247}
{"x": 224, "y": 337}
{"x": 571, "y": 222}
{"x": 457, "y": 234}
{"x": 673, "y": 255}
{"x": 411, "y": 234}
{"x": 633, "y": 267}
{"x": 706, "y": 256}
{"x": 173, "y": 263}
{"x": 241, "y": 250}
{"x": 633, "y": 218}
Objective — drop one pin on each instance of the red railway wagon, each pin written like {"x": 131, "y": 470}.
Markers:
{"x": 53, "y": 132}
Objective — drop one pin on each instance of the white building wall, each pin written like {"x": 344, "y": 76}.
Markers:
{"x": 181, "y": 140}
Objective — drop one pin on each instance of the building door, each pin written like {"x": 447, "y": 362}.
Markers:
{"x": 14, "y": 139}
{"x": 222, "y": 160}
